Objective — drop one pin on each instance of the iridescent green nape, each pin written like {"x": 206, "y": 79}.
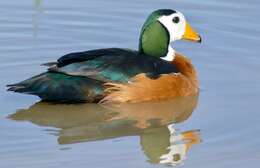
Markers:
{"x": 154, "y": 37}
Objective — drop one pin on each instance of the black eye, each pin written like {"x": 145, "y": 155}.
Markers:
{"x": 176, "y": 19}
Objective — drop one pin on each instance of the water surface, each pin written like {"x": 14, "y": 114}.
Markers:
{"x": 218, "y": 128}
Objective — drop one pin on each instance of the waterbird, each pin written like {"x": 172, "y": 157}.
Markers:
{"x": 153, "y": 72}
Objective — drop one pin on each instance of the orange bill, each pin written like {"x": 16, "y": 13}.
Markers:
{"x": 190, "y": 34}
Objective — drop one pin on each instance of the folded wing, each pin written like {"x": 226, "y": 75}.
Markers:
{"x": 111, "y": 65}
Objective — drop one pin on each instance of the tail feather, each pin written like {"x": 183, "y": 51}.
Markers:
{"x": 49, "y": 64}
{"x": 16, "y": 88}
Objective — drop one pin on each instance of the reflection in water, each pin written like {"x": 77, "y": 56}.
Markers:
{"x": 153, "y": 122}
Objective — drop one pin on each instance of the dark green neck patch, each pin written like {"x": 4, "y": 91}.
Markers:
{"x": 154, "y": 40}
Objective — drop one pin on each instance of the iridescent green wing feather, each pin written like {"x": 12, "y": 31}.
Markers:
{"x": 60, "y": 87}
{"x": 111, "y": 65}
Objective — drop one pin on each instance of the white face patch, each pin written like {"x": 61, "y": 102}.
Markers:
{"x": 175, "y": 29}
{"x": 170, "y": 55}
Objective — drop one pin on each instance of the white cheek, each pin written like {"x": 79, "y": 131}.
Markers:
{"x": 179, "y": 30}
{"x": 176, "y": 30}
{"x": 167, "y": 22}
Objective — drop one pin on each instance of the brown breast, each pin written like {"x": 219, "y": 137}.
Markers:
{"x": 142, "y": 88}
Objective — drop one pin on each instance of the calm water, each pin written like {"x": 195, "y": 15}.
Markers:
{"x": 218, "y": 128}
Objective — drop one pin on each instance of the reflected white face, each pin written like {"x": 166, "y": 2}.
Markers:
{"x": 175, "y": 24}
